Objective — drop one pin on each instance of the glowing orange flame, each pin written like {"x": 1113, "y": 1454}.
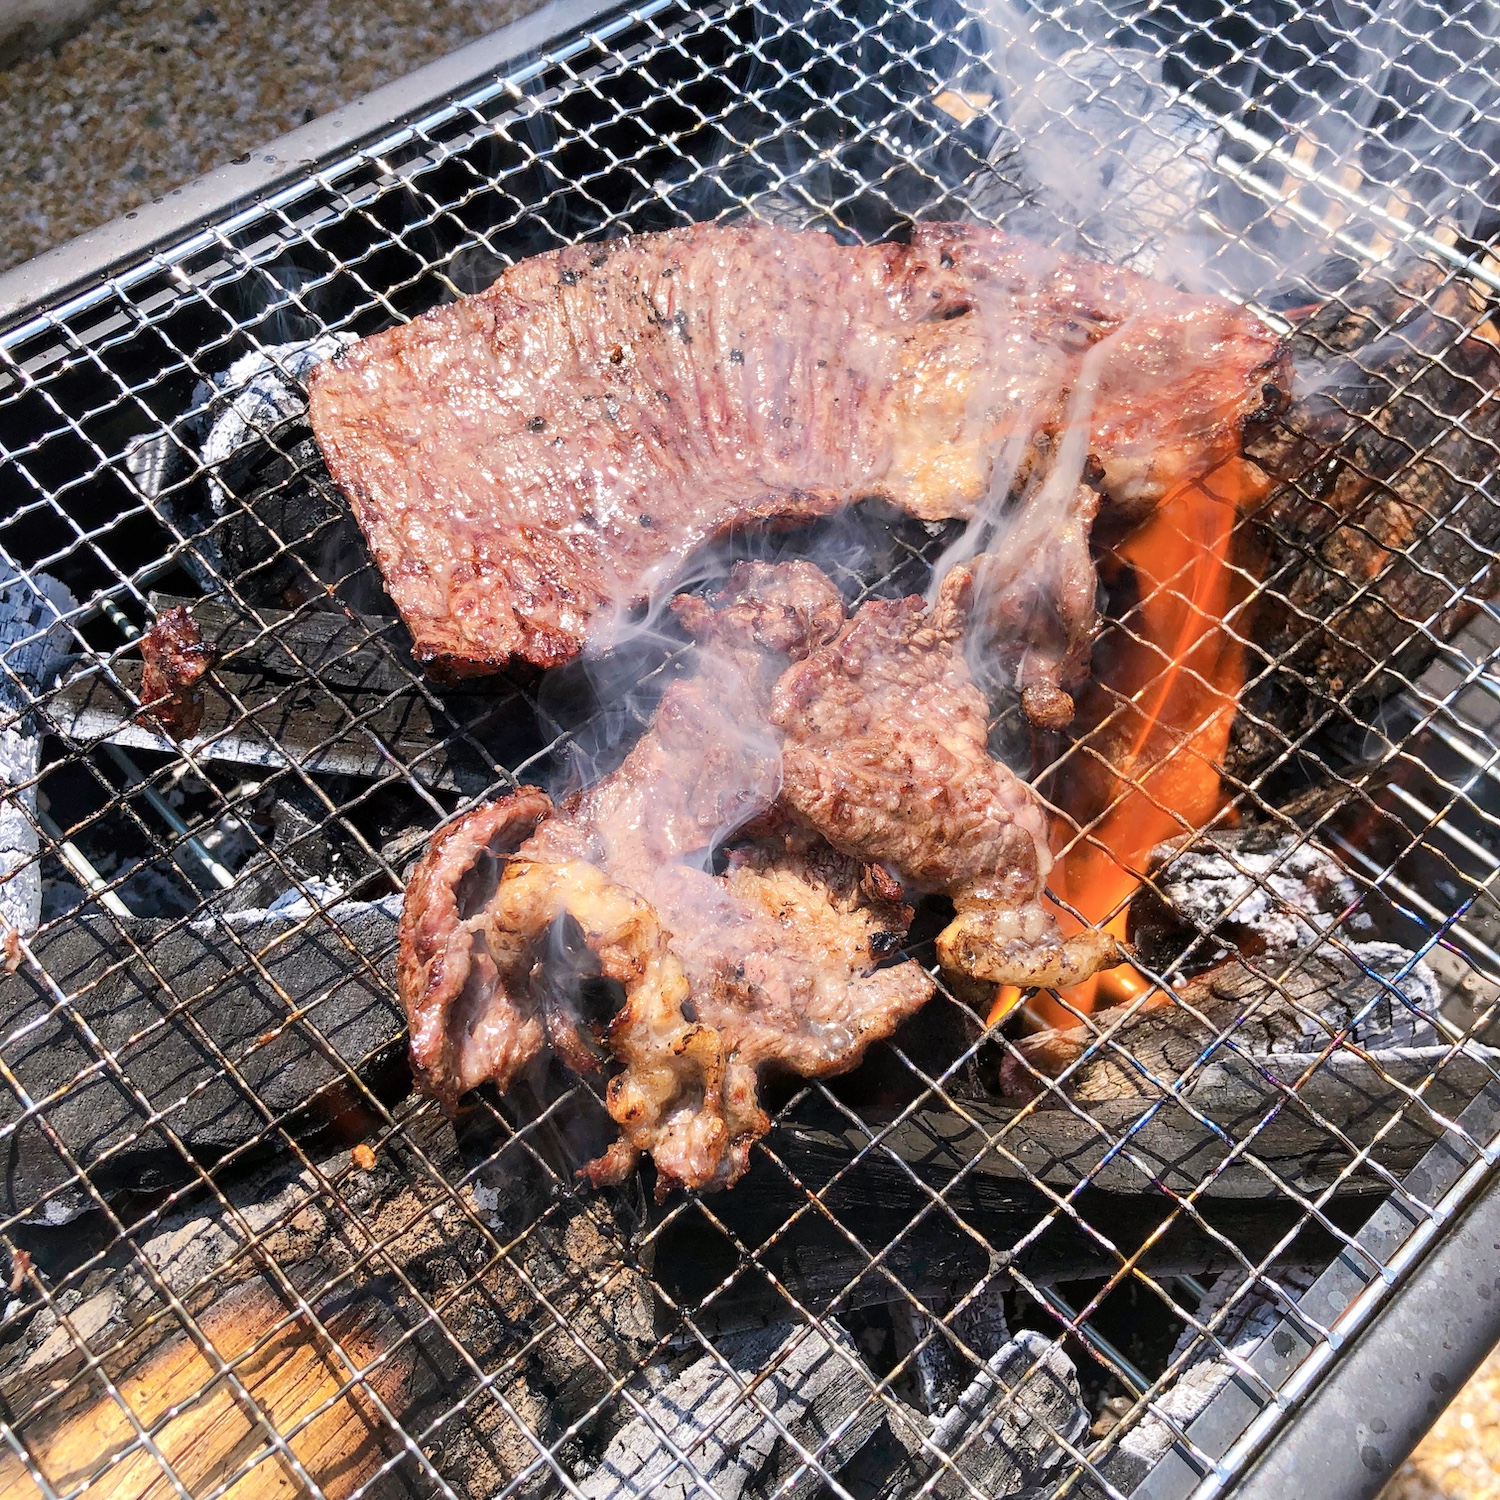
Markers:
{"x": 1169, "y": 678}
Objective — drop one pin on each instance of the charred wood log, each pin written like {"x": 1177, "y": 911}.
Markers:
{"x": 1246, "y": 1027}
{"x": 1378, "y": 541}
{"x": 298, "y": 1006}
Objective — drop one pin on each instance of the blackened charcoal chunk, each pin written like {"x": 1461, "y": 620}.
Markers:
{"x": 1261, "y": 888}
{"x": 284, "y": 531}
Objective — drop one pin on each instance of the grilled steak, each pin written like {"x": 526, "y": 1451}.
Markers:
{"x": 886, "y": 756}
{"x": 1379, "y": 541}
{"x": 533, "y": 462}
{"x": 774, "y": 962}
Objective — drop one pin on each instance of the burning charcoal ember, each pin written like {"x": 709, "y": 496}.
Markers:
{"x": 1379, "y": 541}
{"x": 1214, "y": 1359}
{"x": 32, "y": 642}
{"x": 320, "y": 690}
{"x": 1007, "y": 1430}
{"x": 1260, "y": 888}
{"x": 236, "y": 979}
{"x": 1379, "y": 995}
{"x": 808, "y": 1382}
{"x": 174, "y": 659}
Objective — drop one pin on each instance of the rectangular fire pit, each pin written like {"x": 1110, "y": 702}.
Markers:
{"x": 1160, "y": 1237}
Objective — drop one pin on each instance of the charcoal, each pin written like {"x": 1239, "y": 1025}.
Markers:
{"x": 811, "y": 1380}
{"x": 1007, "y": 1429}
{"x": 553, "y": 1322}
{"x": 301, "y": 846}
{"x": 1248, "y": 1020}
{"x": 1377, "y": 543}
{"x": 1252, "y": 1312}
{"x": 31, "y": 644}
{"x": 1258, "y": 888}
{"x": 236, "y": 981}
{"x": 320, "y": 690}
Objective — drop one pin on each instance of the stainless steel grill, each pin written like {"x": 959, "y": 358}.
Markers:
{"x": 243, "y": 1255}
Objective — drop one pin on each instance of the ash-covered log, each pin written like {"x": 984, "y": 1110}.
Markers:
{"x": 1242, "y": 1029}
{"x": 1258, "y": 888}
{"x": 715, "y": 1414}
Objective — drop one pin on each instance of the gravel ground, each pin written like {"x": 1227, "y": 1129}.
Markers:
{"x": 158, "y": 91}
{"x": 1460, "y": 1458}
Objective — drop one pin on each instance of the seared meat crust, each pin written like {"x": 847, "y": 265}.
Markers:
{"x": 773, "y": 963}
{"x": 446, "y": 971}
{"x": 1379, "y": 541}
{"x": 886, "y": 756}
{"x": 175, "y": 661}
{"x": 529, "y": 463}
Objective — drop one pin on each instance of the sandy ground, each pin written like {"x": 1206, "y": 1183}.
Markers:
{"x": 158, "y": 91}
{"x": 1460, "y": 1458}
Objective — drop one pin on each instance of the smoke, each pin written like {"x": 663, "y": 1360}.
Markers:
{"x": 1271, "y": 153}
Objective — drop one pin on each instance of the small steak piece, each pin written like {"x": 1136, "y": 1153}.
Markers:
{"x": 532, "y": 462}
{"x": 175, "y": 659}
{"x": 1035, "y": 609}
{"x": 886, "y": 756}
{"x": 520, "y": 909}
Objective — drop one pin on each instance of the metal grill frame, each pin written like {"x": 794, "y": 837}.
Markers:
{"x": 209, "y": 237}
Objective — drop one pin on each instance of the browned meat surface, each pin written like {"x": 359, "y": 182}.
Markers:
{"x": 773, "y": 963}
{"x": 447, "y": 975}
{"x": 175, "y": 660}
{"x": 529, "y": 463}
{"x": 1034, "y": 605}
{"x": 1378, "y": 542}
{"x": 886, "y": 756}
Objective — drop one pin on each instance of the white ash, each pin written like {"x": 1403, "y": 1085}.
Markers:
{"x": 33, "y": 640}
{"x": 1024, "y": 1405}
{"x": 1245, "y": 1325}
{"x": 811, "y": 1382}
{"x": 256, "y": 392}
{"x": 1277, "y": 894}
{"x": 292, "y": 906}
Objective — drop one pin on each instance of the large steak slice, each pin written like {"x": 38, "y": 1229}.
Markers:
{"x": 534, "y": 462}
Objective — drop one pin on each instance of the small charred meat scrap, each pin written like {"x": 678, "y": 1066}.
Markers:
{"x": 740, "y": 921}
{"x": 175, "y": 660}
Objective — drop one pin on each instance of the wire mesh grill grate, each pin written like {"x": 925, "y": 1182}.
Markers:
{"x": 242, "y": 1253}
